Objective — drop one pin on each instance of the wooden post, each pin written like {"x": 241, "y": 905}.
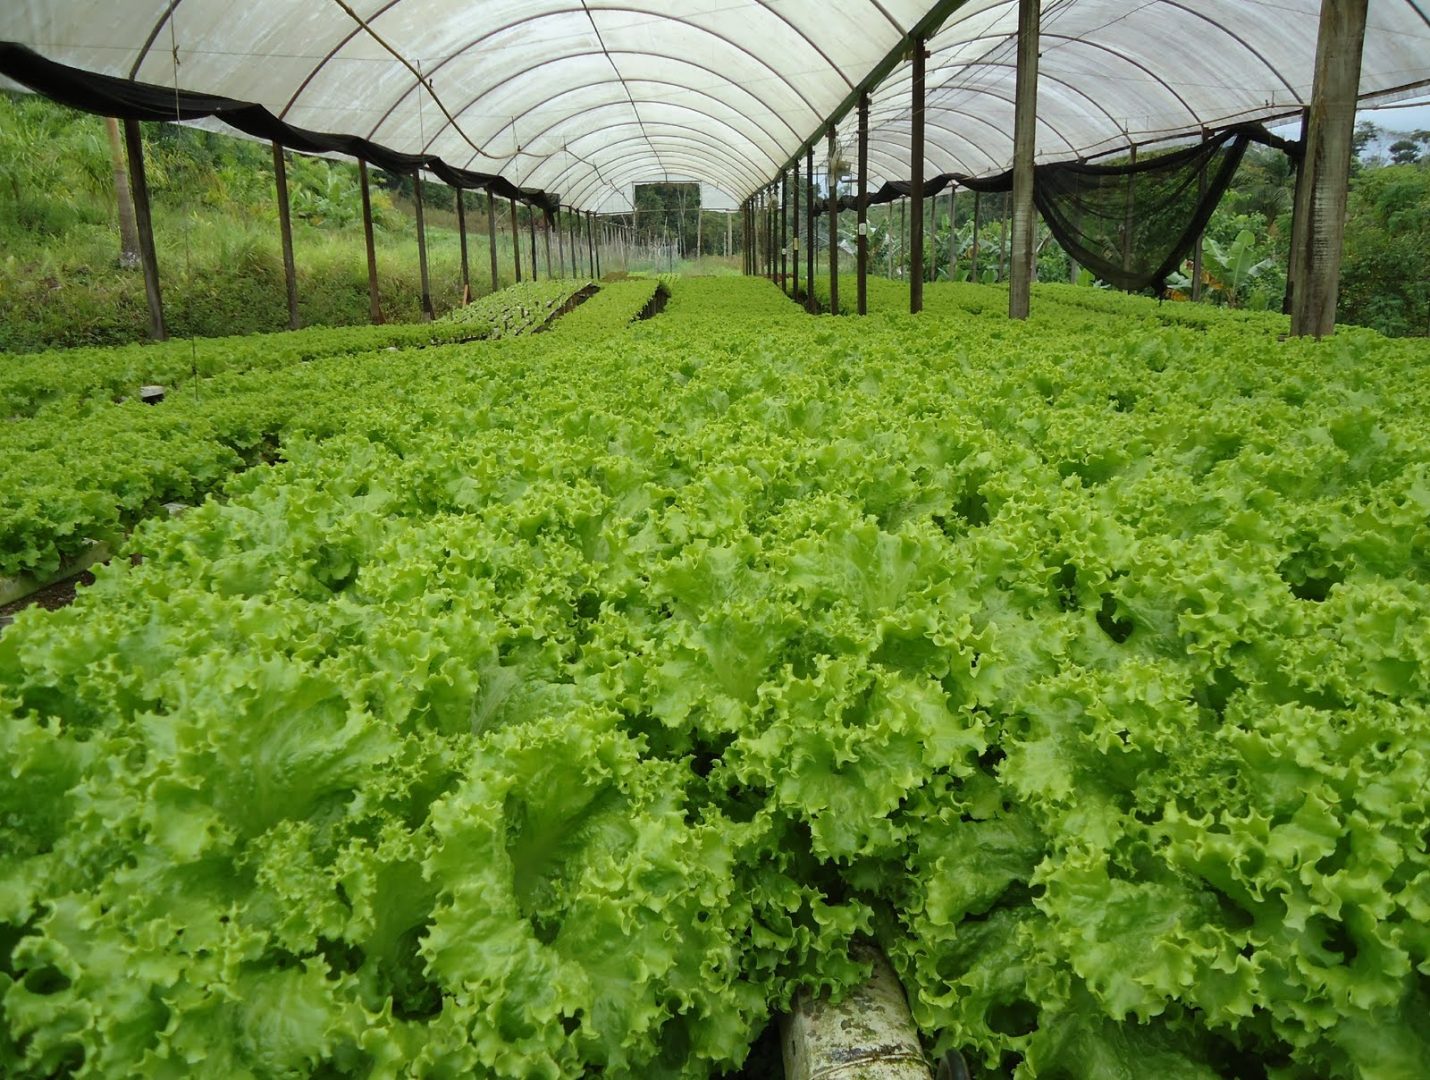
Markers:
{"x": 123, "y": 198}
{"x": 560, "y": 244}
{"x": 811, "y": 301}
{"x": 285, "y": 233}
{"x": 903, "y": 231}
{"x": 916, "y": 181}
{"x": 1299, "y": 217}
{"x": 977, "y": 201}
{"x": 729, "y": 235}
{"x": 574, "y": 219}
{"x": 862, "y": 198}
{"x": 784, "y": 231}
{"x": 1129, "y": 213}
{"x": 597, "y": 248}
{"x": 492, "y": 239}
{"x": 952, "y": 232}
{"x": 462, "y": 238}
{"x": 531, "y": 232}
{"x": 795, "y": 215}
{"x": 1197, "y": 248}
{"x": 422, "y": 246}
{"x": 932, "y": 273}
{"x": 1025, "y": 106}
{"x": 590, "y": 246}
{"x": 515, "y": 239}
{"x": 546, "y": 242}
{"x": 833, "y": 185}
{"x": 1327, "y": 163}
{"x": 374, "y": 303}
{"x": 148, "y": 257}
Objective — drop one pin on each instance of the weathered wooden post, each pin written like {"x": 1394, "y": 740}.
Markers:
{"x": 1025, "y": 106}
{"x": 862, "y": 198}
{"x": 148, "y": 257}
{"x": 916, "y": 182}
{"x": 1327, "y": 162}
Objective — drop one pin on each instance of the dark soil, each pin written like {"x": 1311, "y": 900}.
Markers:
{"x": 50, "y": 597}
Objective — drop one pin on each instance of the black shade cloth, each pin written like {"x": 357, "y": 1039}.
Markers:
{"x": 1131, "y": 224}
{"x": 126, "y": 99}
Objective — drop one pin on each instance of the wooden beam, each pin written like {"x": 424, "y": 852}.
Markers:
{"x": 862, "y": 196}
{"x": 285, "y": 233}
{"x": 1327, "y": 164}
{"x": 422, "y": 247}
{"x": 833, "y": 185}
{"x": 1025, "y": 116}
{"x": 374, "y": 301}
{"x": 462, "y": 237}
{"x": 143, "y": 220}
{"x": 916, "y": 181}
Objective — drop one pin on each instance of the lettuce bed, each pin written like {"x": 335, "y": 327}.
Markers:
{"x": 565, "y": 705}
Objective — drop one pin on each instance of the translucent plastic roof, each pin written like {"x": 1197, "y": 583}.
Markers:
{"x": 1114, "y": 73}
{"x": 588, "y": 97}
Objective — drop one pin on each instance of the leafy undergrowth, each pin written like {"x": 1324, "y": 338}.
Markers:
{"x": 569, "y": 703}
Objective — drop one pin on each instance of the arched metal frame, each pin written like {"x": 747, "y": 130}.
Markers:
{"x": 605, "y": 93}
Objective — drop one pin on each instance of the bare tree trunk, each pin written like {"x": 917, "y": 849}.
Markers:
{"x": 128, "y": 231}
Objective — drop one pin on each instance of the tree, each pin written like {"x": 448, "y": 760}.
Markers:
{"x": 1404, "y": 152}
{"x": 1365, "y": 134}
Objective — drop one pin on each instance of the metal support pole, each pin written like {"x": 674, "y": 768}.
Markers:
{"x": 462, "y": 237}
{"x": 590, "y": 246}
{"x": 862, "y": 197}
{"x": 1339, "y": 45}
{"x": 143, "y": 220}
{"x": 285, "y": 233}
{"x": 374, "y": 305}
{"x": 1025, "y": 107}
{"x": 492, "y": 239}
{"x": 598, "y": 248}
{"x": 574, "y": 220}
{"x": 833, "y": 185}
{"x": 422, "y": 246}
{"x": 811, "y": 301}
{"x": 531, "y": 233}
{"x": 916, "y": 181}
{"x": 515, "y": 240}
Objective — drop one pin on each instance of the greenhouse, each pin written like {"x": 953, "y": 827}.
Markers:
{"x": 715, "y": 539}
